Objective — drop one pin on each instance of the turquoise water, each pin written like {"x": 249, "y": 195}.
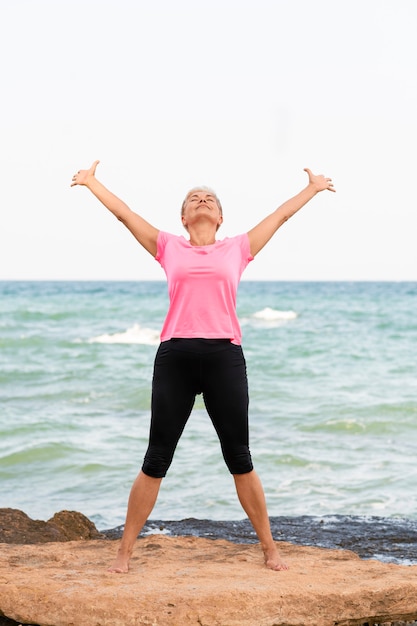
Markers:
{"x": 332, "y": 373}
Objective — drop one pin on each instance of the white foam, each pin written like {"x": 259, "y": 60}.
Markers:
{"x": 155, "y": 530}
{"x": 134, "y": 334}
{"x": 269, "y": 318}
{"x": 269, "y": 314}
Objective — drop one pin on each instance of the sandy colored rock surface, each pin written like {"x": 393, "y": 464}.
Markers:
{"x": 201, "y": 582}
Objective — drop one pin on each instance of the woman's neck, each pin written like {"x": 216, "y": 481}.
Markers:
{"x": 202, "y": 236}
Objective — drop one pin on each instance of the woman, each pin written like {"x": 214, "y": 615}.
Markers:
{"x": 200, "y": 349}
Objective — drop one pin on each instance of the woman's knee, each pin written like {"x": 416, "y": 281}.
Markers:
{"x": 157, "y": 462}
{"x": 238, "y": 460}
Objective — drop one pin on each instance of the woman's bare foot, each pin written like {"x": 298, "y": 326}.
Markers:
{"x": 121, "y": 564}
{"x": 273, "y": 560}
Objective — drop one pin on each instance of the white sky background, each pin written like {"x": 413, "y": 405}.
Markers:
{"x": 236, "y": 94}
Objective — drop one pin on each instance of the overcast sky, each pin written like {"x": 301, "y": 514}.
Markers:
{"x": 235, "y": 94}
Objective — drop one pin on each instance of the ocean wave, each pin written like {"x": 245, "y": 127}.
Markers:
{"x": 269, "y": 317}
{"x": 134, "y": 334}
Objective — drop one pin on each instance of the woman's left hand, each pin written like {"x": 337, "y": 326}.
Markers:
{"x": 319, "y": 181}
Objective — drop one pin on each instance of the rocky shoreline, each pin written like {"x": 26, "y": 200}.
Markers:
{"x": 390, "y": 540}
{"x": 54, "y": 573}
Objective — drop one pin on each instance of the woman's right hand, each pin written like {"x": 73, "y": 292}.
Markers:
{"x": 83, "y": 176}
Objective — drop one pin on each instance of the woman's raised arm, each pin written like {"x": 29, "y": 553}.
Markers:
{"x": 262, "y": 232}
{"x": 144, "y": 232}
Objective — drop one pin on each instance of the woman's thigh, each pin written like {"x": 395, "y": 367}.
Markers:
{"x": 172, "y": 395}
{"x": 226, "y": 396}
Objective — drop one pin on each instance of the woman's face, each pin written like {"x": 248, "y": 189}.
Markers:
{"x": 201, "y": 205}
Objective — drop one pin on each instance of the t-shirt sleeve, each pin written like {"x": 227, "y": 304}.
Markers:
{"x": 245, "y": 249}
{"x": 161, "y": 243}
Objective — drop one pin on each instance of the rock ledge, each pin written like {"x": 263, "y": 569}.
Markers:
{"x": 190, "y": 581}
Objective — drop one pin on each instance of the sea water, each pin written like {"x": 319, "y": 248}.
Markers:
{"x": 333, "y": 400}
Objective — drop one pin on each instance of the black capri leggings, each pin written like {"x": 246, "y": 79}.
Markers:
{"x": 184, "y": 368}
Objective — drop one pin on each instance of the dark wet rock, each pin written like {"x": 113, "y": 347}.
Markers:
{"x": 392, "y": 540}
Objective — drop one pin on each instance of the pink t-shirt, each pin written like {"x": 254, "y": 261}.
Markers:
{"x": 202, "y": 286}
